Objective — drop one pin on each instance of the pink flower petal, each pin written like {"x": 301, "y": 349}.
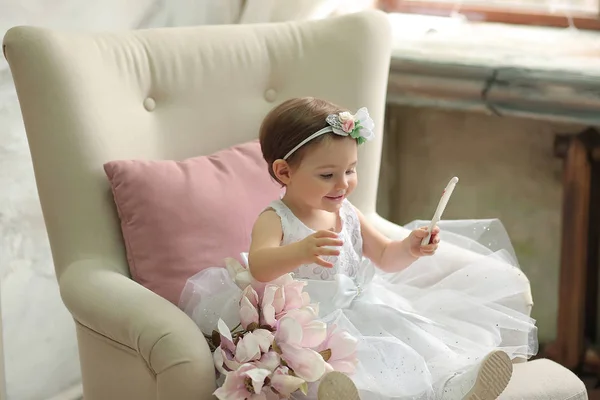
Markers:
{"x": 259, "y": 287}
{"x": 225, "y": 333}
{"x": 233, "y": 267}
{"x": 342, "y": 345}
{"x": 269, "y": 360}
{"x": 264, "y": 338}
{"x": 218, "y": 360}
{"x": 303, "y": 315}
{"x": 313, "y": 334}
{"x": 285, "y": 384}
{"x": 293, "y": 295}
{"x": 258, "y": 377}
{"x": 251, "y": 295}
{"x": 343, "y": 350}
{"x": 268, "y": 310}
{"x": 307, "y": 364}
{"x": 289, "y": 331}
{"x": 305, "y": 299}
{"x": 231, "y": 364}
{"x": 223, "y": 357}
{"x": 247, "y": 349}
{"x": 243, "y": 279}
{"x": 279, "y": 300}
{"x": 234, "y": 387}
{"x": 248, "y": 313}
{"x": 283, "y": 280}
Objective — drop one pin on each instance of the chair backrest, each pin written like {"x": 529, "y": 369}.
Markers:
{"x": 173, "y": 93}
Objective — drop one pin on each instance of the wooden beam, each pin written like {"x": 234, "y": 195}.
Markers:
{"x": 573, "y": 272}
{"x": 497, "y": 14}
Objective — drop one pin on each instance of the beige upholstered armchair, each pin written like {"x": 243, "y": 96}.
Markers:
{"x": 90, "y": 98}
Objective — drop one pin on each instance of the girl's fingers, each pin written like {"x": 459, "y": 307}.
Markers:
{"x": 323, "y": 263}
{"x": 328, "y": 242}
{"x": 420, "y": 233}
{"x": 324, "y": 251}
{"x": 429, "y": 249}
{"x": 325, "y": 234}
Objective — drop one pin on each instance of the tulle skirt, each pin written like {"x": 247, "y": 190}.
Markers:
{"x": 417, "y": 328}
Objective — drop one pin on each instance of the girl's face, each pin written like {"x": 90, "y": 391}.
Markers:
{"x": 325, "y": 176}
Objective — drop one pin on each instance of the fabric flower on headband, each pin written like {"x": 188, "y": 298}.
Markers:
{"x": 358, "y": 126}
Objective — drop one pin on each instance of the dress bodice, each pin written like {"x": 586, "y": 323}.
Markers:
{"x": 346, "y": 263}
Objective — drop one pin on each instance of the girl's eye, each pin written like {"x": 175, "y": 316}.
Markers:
{"x": 326, "y": 176}
{"x": 350, "y": 172}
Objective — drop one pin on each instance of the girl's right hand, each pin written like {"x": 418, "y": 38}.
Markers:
{"x": 314, "y": 246}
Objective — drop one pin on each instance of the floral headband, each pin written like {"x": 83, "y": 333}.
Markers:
{"x": 358, "y": 126}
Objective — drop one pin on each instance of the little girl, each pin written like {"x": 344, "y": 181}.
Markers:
{"x": 425, "y": 330}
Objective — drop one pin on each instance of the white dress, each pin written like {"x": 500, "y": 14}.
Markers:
{"x": 417, "y": 328}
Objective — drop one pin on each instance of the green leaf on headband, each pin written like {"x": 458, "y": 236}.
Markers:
{"x": 355, "y": 134}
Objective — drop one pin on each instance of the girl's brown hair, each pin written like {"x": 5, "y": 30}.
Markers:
{"x": 290, "y": 123}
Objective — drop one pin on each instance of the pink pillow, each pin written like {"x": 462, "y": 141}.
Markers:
{"x": 179, "y": 217}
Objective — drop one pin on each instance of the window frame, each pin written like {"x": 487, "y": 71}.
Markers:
{"x": 481, "y": 13}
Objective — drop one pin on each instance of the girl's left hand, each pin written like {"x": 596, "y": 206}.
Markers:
{"x": 414, "y": 241}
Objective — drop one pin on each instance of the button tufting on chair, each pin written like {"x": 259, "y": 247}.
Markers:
{"x": 270, "y": 95}
{"x": 149, "y": 104}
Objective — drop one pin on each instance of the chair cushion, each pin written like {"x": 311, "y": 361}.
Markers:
{"x": 179, "y": 217}
{"x": 544, "y": 379}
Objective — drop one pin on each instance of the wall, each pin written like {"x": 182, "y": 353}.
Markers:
{"x": 507, "y": 170}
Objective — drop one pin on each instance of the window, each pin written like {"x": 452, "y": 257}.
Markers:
{"x": 582, "y": 14}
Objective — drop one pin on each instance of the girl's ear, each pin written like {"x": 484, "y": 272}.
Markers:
{"x": 282, "y": 171}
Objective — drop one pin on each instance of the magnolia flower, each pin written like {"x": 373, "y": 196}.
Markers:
{"x": 246, "y": 382}
{"x": 225, "y": 339}
{"x": 268, "y": 309}
{"x": 224, "y": 361}
{"x": 280, "y": 296}
{"x": 286, "y": 384}
{"x": 270, "y": 360}
{"x": 295, "y": 347}
{"x": 306, "y": 363}
{"x": 224, "y": 355}
{"x": 339, "y": 350}
{"x": 314, "y": 332}
{"x": 248, "y": 308}
{"x": 238, "y": 273}
{"x": 294, "y": 296}
{"x": 251, "y": 346}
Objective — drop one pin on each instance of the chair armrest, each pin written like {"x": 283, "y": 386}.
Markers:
{"x": 389, "y": 229}
{"x": 118, "y": 308}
